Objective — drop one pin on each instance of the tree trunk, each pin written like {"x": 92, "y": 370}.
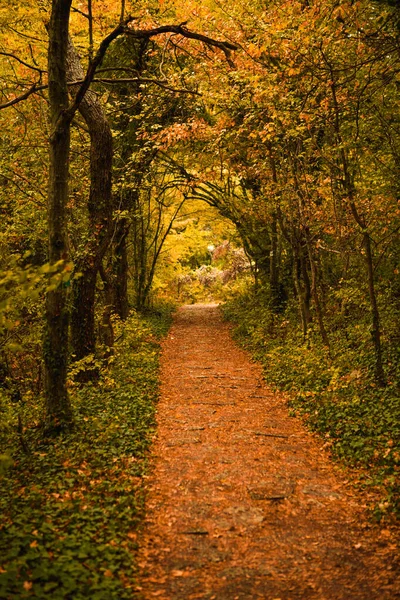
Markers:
{"x": 349, "y": 188}
{"x": 315, "y": 293}
{"x": 106, "y": 330}
{"x": 120, "y": 265}
{"x": 273, "y": 271}
{"x": 299, "y": 269}
{"x": 302, "y": 286}
{"x": 376, "y": 327}
{"x": 274, "y": 264}
{"x": 100, "y": 207}
{"x": 58, "y": 408}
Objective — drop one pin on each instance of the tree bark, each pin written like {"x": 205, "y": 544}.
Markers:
{"x": 302, "y": 286}
{"x": 376, "y": 327}
{"x": 58, "y": 407}
{"x": 100, "y": 208}
{"x": 315, "y": 292}
{"x": 349, "y": 189}
{"x": 106, "y": 330}
{"x": 119, "y": 275}
{"x": 299, "y": 270}
{"x": 274, "y": 266}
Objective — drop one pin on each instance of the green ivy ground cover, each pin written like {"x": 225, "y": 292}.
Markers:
{"x": 70, "y": 507}
{"x": 335, "y": 396}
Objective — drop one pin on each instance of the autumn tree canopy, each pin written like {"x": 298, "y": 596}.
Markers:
{"x": 162, "y": 152}
{"x": 283, "y": 117}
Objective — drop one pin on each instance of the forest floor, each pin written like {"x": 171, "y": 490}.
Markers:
{"x": 243, "y": 501}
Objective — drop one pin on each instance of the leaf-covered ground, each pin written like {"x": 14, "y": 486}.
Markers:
{"x": 244, "y": 502}
{"x": 334, "y": 392}
{"x": 70, "y": 506}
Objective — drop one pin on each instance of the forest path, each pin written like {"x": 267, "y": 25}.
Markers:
{"x": 243, "y": 501}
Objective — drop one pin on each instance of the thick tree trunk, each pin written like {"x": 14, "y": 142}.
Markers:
{"x": 58, "y": 408}
{"x": 100, "y": 207}
{"x": 128, "y": 197}
{"x": 83, "y": 317}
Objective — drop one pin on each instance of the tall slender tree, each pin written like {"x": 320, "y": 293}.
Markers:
{"x": 59, "y": 413}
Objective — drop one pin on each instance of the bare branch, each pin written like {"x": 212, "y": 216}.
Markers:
{"x": 90, "y": 16}
{"x": 121, "y": 29}
{"x": 225, "y": 46}
{"x": 124, "y": 69}
{"x": 34, "y": 88}
{"x": 22, "y": 62}
{"x": 162, "y": 84}
{"x": 25, "y": 193}
{"x": 37, "y": 88}
{"x": 96, "y": 62}
{"x": 80, "y": 12}
{"x": 122, "y": 17}
{"x": 24, "y": 35}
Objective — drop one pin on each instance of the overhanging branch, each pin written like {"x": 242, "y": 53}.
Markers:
{"x": 124, "y": 29}
{"x": 34, "y": 88}
{"x": 226, "y": 47}
{"x": 96, "y": 62}
{"x": 162, "y": 84}
{"x": 22, "y": 62}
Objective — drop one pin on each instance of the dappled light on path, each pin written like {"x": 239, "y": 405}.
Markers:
{"x": 243, "y": 501}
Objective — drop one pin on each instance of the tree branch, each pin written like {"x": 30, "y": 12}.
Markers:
{"x": 121, "y": 29}
{"x": 34, "y": 88}
{"x": 37, "y": 88}
{"x": 96, "y": 62}
{"x": 122, "y": 17}
{"x": 80, "y": 12}
{"x": 22, "y": 62}
{"x": 161, "y": 84}
{"x": 225, "y": 46}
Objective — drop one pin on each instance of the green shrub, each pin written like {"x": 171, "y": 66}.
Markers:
{"x": 71, "y": 506}
{"x": 334, "y": 392}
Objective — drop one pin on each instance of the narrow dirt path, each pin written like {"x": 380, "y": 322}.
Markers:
{"x": 243, "y": 501}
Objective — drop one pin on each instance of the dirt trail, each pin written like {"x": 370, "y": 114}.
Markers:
{"x": 244, "y": 502}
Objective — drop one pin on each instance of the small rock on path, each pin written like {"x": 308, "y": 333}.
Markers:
{"x": 243, "y": 501}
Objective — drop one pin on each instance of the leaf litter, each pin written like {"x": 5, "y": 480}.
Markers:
{"x": 243, "y": 501}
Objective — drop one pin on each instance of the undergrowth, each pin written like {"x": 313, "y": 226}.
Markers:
{"x": 336, "y": 394}
{"x": 71, "y": 505}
